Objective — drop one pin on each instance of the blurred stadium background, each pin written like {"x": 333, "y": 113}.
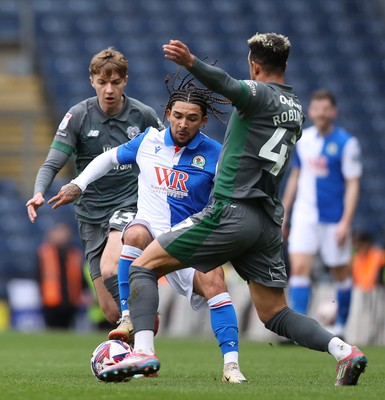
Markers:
{"x": 46, "y": 46}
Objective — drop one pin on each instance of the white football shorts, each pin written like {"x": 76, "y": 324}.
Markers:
{"x": 182, "y": 281}
{"x": 316, "y": 238}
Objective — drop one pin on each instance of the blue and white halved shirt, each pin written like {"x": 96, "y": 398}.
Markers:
{"x": 174, "y": 183}
{"x": 325, "y": 163}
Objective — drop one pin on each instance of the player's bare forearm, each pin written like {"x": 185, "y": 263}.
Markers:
{"x": 344, "y": 226}
{"x": 178, "y": 52}
{"x": 352, "y": 193}
{"x": 67, "y": 194}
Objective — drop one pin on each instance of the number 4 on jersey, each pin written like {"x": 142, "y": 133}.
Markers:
{"x": 268, "y": 153}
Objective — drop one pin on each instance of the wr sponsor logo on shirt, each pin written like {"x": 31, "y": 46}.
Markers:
{"x": 172, "y": 178}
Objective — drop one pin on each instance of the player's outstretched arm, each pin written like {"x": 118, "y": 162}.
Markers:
{"x": 97, "y": 168}
{"x": 67, "y": 194}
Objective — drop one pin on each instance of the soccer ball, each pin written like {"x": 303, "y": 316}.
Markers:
{"x": 326, "y": 313}
{"x": 108, "y": 353}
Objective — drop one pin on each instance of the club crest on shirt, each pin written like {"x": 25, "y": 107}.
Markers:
{"x": 198, "y": 161}
{"x": 132, "y": 132}
{"x": 332, "y": 148}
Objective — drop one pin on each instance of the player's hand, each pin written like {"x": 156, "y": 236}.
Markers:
{"x": 33, "y": 205}
{"x": 179, "y": 53}
{"x": 342, "y": 231}
{"x": 67, "y": 194}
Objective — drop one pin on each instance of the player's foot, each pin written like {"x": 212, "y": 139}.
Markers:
{"x": 232, "y": 373}
{"x": 132, "y": 364}
{"x": 350, "y": 368}
{"x": 124, "y": 332}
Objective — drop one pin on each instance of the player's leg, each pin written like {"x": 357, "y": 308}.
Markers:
{"x": 300, "y": 284}
{"x": 94, "y": 238}
{"x": 344, "y": 286}
{"x": 135, "y": 238}
{"x": 112, "y": 250}
{"x": 144, "y": 298}
{"x": 143, "y": 304}
{"x": 212, "y": 287}
{"x": 184, "y": 241}
{"x": 337, "y": 258}
{"x": 305, "y": 331}
{"x": 109, "y": 263}
{"x": 267, "y": 280}
{"x": 106, "y": 303}
{"x": 302, "y": 248}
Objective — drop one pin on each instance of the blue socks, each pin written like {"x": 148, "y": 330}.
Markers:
{"x": 344, "y": 291}
{"x": 300, "y": 293}
{"x": 128, "y": 255}
{"x": 224, "y": 322}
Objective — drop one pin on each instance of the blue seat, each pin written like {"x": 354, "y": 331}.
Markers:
{"x": 8, "y": 187}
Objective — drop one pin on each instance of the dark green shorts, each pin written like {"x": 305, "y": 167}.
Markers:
{"x": 238, "y": 232}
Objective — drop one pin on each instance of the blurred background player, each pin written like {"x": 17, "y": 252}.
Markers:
{"x": 321, "y": 194}
{"x": 177, "y": 170}
{"x": 88, "y": 129}
{"x": 60, "y": 277}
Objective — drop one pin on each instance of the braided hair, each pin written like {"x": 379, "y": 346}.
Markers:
{"x": 188, "y": 92}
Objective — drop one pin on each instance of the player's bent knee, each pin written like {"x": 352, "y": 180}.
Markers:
{"x": 137, "y": 236}
{"x": 209, "y": 285}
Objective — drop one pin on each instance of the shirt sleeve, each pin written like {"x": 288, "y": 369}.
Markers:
{"x": 217, "y": 80}
{"x": 351, "y": 159}
{"x": 54, "y": 162}
{"x": 126, "y": 153}
{"x": 97, "y": 168}
{"x": 67, "y": 133}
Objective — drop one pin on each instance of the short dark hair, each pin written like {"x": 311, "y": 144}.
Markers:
{"x": 270, "y": 50}
{"x": 324, "y": 94}
{"x": 188, "y": 92}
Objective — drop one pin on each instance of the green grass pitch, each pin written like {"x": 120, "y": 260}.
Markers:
{"x": 55, "y": 366}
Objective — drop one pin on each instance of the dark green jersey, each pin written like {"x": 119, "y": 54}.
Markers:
{"x": 87, "y": 131}
{"x": 264, "y": 126}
